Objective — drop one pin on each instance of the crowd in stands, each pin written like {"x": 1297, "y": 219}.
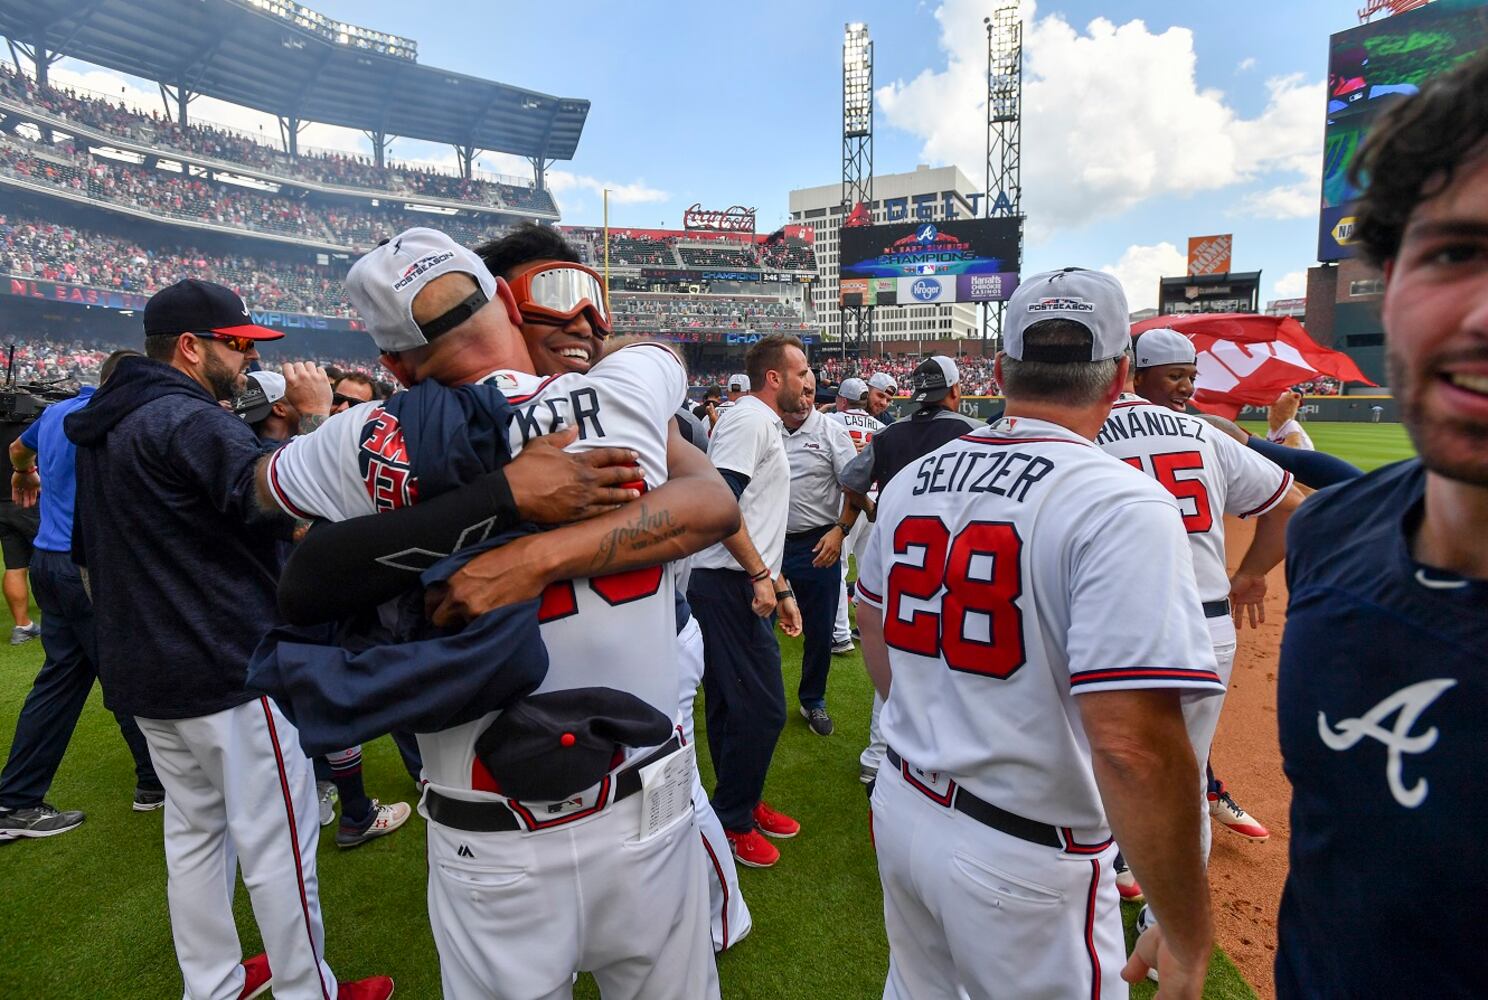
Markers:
{"x": 178, "y": 196}
{"x": 640, "y": 313}
{"x": 35, "y": 248}
{"x": 628, "y": 249}
{"x": 204, "y": 140}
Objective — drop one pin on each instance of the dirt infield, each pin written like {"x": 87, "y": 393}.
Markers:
{"x": 1246, "y": 878}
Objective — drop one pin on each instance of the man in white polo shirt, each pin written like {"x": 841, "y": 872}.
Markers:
{"x": 736, "y": 584}
{"x": 817, "y": 526}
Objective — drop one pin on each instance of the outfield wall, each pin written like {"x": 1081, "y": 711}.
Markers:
{"x": 1350, "y": 409}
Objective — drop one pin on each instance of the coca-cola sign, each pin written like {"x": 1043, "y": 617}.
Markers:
{"x": 734, "y": 219}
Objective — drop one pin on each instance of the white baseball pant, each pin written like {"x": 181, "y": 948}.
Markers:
{"x": 855, "y": 544}
{"x": 1201, "y": 715}
{"x": 973, "y": 912}
{"x": 729, "y": 914}
{"x": 515, "y": 914}
{"x": 240, "y": 791}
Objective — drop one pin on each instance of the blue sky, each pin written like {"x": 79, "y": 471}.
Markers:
{"x": 1145, "y": 122}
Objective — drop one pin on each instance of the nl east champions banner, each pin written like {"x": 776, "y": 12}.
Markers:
{"x": 947, "y": 252}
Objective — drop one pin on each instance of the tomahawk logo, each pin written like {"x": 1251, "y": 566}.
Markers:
{"x": 1409, "y": 702}
{"x": 926, "y": 234}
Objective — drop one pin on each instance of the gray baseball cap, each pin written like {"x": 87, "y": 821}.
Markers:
{"x": 883, "y": 381}
{"x": 853, "y": 388}
{"x": 738, "y": 383}
{"x": 263, "y": 390}
{"x": 383, "y": 283}
{"x": 1093, "y": 299}
{"x": 1162, "y": 346}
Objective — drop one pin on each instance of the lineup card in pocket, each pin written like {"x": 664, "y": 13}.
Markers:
{"x": 666, "y": 791}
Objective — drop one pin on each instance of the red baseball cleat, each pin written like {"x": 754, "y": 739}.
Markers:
{"x": 752, "y": 850}
{"x": 1230, "y": 815}
{"x": 1126, "y": 885}
{"x": 775, "y": 824}
{"x": 256, "y": 977}
{"x": 372, "y": 988}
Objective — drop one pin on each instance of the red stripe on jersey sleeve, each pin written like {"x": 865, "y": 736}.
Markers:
{"x": 1275, "y": 498}
{"x": 865, "y": 592}
{"x": 278, "y": 490}
{"x": 1145, "y": 675}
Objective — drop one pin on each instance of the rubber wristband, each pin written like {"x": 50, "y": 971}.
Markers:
{"x": 763, "y": 574}
{"x": 781, "y": 595}
{"x": 843, "y": 527}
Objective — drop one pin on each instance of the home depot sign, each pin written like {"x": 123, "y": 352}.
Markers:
{"x": 1209, "y": 254}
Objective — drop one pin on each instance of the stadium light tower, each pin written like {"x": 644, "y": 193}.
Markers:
{"x": 1004, "y": 194}
{"x": 857, "y": 157}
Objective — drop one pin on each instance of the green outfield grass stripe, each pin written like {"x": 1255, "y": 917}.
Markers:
{"x": 1368, "y": 446}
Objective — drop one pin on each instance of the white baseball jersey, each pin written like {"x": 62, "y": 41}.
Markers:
{"x": 817, "y": 451}
{"x": 1279, "y": 435}
{"x": 1207, "y": 471}
{"x": 859, "y": 424}
{"x": 615, "y": 631}
{"x": 719, "y": 409}
{"x": 1003, "y": 564}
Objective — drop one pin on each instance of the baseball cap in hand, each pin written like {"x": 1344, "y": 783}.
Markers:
{"x": 1093, "y": 299}
{"x": 933, "y": 379}
{"x": 195, "y": 306}
{"x": 853, "y": 389}
{"x": 383, "y": 283}
{"x": 738, "y": 383}
{"x": 1164, "y": 347}
{"x": 258, "y": 399}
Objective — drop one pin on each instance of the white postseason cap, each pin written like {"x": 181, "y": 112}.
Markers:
{"x": 1094, "y": 299}
{"x": 383, "y": 283}
{"x": 853, "y": 389}
{"x": 883, "y": 381}
{"x": 1164, "y": 347}
{"x": 738, "y": 383}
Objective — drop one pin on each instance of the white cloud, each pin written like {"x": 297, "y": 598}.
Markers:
{"x": 1286, "y": 201}
{"x": 1112, "y": 116}
{"x": 1141, "y": 268}
{"x": 1247, "y": 63}
{"x": 1292, "y": 285}
{"x": 635, "y": 193}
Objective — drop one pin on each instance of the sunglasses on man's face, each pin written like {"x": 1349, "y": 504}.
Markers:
{"x": 340, "y": 399}
{"x": 240, "y": 344}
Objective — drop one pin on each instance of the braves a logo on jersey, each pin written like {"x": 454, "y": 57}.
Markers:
{"x": 382, "y": 457}
{"x": 1406, "y": 705}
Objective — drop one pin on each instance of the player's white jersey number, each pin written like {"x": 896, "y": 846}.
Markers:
{"x": 976, "y": 577}
{"x": 1177, "y": 472}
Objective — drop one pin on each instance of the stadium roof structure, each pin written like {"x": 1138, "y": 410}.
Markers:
{"x": 282, "y": 58}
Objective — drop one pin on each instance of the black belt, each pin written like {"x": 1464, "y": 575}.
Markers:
{"x": 1217, "y": 609}
{"x": 798, "y": 536}
{"x": 987, "y": 814}
{"x": 496, "y": 817}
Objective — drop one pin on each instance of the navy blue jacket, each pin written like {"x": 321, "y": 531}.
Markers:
{"x": 347, "y": 683}
{"x": 181, "y": 558}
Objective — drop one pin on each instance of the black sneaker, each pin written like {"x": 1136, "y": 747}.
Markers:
{"x": 146, "y": 800}
{"x": 38, "y": 821}
{"x": 818, "y": 719}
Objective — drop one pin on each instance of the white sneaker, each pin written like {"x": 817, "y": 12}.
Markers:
{"x": 328, "y": 799}
{"x": 1229, "y": 813}
{"x": 385, "y": 819}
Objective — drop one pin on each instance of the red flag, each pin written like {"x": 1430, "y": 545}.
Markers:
{"x": 1245, "y": 358}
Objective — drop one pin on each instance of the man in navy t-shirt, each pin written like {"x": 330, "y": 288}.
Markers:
{"x": 1383, "y": 696}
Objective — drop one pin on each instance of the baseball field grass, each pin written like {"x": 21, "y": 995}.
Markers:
{"x": 84, "y": 914}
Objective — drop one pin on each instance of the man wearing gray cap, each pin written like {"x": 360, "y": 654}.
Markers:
{"x": 852, "y": 413}
{"x": 1034, "y": 675}
{"x": 610, "y": 878}
{"x": 881, "y": 392}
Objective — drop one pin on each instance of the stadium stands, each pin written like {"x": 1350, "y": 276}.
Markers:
{"x": 35, "y": 248}
{"x": 198, "y": 199}
{"x": 629, "y": 248}
{"x": 642, "y": 312}
{"x": 719, "y": 255}
{"x": 321, "y": 167}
